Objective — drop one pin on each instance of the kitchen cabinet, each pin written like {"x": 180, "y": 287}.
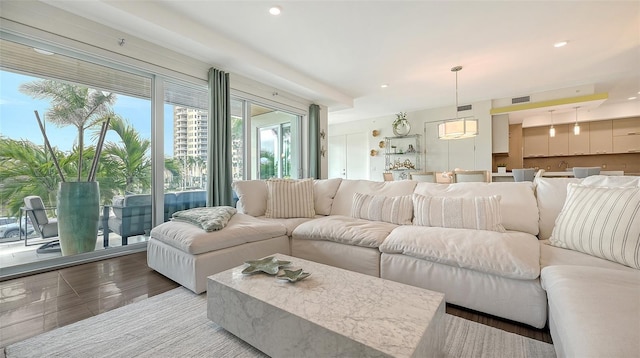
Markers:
{"x": 600, "y": 137}
{"x": 579, "y": 144}
{"x": 559, "y": 145}
{"x": 536, "y": 142}
{"x": 500, "y": 133}
{"x": 626, "y": 135}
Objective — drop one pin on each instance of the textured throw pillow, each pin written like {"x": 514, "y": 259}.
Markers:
{"x": 392, "y": 209}
{"x": 602, "y": 222}
{"x": 480, "y": 212}
{"x": 290, "y": 198}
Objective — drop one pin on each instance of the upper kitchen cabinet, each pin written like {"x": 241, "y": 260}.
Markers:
{"x": 600, "y": 137}
{"x": 536, "y": 142}
{"x": 626, "y": 135}
{"x": 559, "y": 145}
{"x": 579, "y": 144}
{"x": 500, "y": 133}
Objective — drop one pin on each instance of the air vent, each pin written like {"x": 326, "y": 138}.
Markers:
{"x": 464, "y": 108}
{"x": 520, "y": 99}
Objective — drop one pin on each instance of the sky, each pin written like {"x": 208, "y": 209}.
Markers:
{"x": 18, "y": 121}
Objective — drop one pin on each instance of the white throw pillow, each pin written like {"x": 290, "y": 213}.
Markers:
{"x": 252, "y": 196}
{"x": 392, "y": 209}
{"x": 480, "y": 212}
{"x": 290, "y": 198}
{"x": 602, "y": 222}
{"x": 324, "y": 190}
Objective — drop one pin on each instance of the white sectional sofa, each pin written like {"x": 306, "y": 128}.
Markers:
{"x": 506, "y": 268}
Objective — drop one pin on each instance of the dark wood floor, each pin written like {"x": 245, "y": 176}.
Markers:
{"x": 35, "y": 304}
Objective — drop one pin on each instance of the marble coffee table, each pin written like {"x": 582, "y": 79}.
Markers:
{"x": 333, "y": 312}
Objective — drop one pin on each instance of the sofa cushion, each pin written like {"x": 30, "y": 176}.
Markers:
{"x": 344, "y": 196}
{"x": 603, "y": 222}
{"x": 290, "y": 198}
{"x": 554, "y": 256}
{"x": 510, "y": 254}
{"x": 550, "y": 196}
{"x": 611, "y": 181}
{"x": 345, "y": 230}
{"x": 290, "y": 224}
{"x": 324, "y": 190}
{"x": 518, "y": 206}
{"x": 593, "y": 312}
{"x": 480, "y": 212}
{"x": 392, "y": 209}
{"x": 252, "y": 196}
{"x": 240, "y": 229}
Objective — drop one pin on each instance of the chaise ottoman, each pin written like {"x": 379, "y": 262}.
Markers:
{"x": 187, "y": 254}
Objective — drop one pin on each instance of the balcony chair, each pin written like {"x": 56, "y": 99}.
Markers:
{"x": 43, "y": 226}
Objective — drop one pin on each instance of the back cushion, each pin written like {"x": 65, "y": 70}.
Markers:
{"x": 518, "y": 206}
{"x": 252, "y": 196}
{"x": 35, "y": 203}
{"x": 612, "y": 181}
{"x": 324, "y": 190}
{"x": 343, "y": 201}
{"x": 550, "y": 195}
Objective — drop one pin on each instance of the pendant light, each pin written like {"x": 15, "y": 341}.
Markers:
{"x": 458, "y": 128}
{"x": 552, "y": 130}
{"x": 576, "y": 127}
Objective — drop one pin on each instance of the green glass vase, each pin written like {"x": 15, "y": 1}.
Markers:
{"x": 78, "y": 215}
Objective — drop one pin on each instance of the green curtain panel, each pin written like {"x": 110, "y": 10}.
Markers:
{"x": 314, "y": 141}
{"x": 219, "y": 147}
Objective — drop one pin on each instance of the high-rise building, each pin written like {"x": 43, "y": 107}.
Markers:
{"x": 190, "y": 133}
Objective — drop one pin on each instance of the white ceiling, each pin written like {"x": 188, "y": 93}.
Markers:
{"x": 338, "y": 53}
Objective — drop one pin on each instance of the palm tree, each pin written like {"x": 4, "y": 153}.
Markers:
{"x": 127, "y": 163}
{"x": 72, "y": 105}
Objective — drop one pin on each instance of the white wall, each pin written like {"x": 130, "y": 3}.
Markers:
{"x": 437, "y": 155}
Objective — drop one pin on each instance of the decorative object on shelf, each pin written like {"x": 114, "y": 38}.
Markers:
{"x": 270, "y": 265}
{"x": 373, "y": 153}
{"x": 502, "y": 168}
{"x": 375, "y": 133}
{"x": 401, "y": 126}
{"x": 394, "y": 148}
{"x": 458, "y": 128}
{"x": 411, "y": 149}
{"x": 293, "y": 276}
{"x": 381, "y": 144}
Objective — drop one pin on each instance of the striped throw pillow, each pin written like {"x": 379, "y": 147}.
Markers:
{"x": 602, "y": 222}
{"x": 480, "y": 212}
{"x": 290, "y": 198}
{"x": 392, "y": 209}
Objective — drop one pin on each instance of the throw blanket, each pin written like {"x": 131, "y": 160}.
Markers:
{"x": 210, "y": 219}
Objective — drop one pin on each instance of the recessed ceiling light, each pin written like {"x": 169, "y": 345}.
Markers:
{"x": 632, "y": 98}
{"x": 275, "y": 10}
{"x": 560, "y": 44}
{"x": 384, "y": 85}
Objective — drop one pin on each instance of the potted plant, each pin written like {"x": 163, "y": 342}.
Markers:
{"x": 401, "y": 126}
{"x": 502, "y": 168}
{"x": 78, "y": 201}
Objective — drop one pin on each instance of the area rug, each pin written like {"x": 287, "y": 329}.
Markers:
{"x": 175, "y": 324}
